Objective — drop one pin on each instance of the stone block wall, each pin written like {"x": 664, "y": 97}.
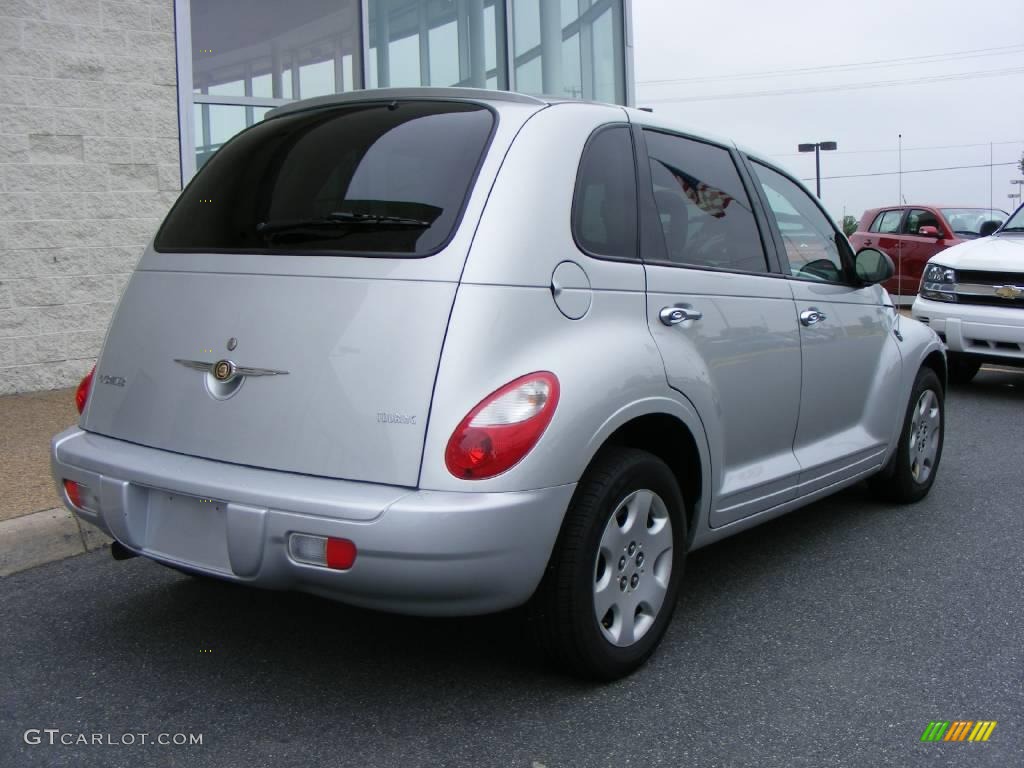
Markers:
{"x": 89, "y": 164}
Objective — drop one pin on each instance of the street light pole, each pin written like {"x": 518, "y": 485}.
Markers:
{"x": 817, "y": 148}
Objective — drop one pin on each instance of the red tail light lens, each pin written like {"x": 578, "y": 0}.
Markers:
{"x": 74, "y": 493}
{"x": 503, "y": 427}
{"x": 341, "y": 554}
{"x": 84, "y": 387}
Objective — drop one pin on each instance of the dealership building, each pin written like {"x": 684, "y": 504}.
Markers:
{"x": 107, "y": 107}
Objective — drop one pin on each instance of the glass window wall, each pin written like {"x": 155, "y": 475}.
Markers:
{"x": 245, "y": 58}
{"x": 572, "y": 49}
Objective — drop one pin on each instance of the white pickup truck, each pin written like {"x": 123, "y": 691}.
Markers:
{"x": 972, "y": 295}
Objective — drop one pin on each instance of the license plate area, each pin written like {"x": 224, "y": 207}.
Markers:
{"x": 188, "y": 529}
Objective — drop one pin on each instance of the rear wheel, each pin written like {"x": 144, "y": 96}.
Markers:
{"x": 962, "y": 368}
{"x": 911, "y": 471}
{"x": 612, "y": 583}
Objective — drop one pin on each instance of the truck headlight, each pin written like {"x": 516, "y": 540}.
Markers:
{"x": 938, "y": 283}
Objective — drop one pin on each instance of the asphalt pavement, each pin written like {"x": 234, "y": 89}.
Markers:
{"x": 830, "y": 637}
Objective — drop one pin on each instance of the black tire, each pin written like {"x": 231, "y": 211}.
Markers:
{"x": 897, "y": 482}
{"x": 562, "y": 613}
{"x": 962, "y": 368}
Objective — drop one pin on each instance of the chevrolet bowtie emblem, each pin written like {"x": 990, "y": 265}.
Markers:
{"x": 226, "y": 370}
{"x": 1009, "y": 291}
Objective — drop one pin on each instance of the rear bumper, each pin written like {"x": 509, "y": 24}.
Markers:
{"x": 989, "y": 332}
{"x": 419, "y": 552}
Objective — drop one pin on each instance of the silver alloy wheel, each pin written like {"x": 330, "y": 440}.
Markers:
{"x": 633, "y": 567}
{"x": 925, "y": 432}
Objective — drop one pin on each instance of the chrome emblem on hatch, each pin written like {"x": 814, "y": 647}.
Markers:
{"x": 226, "y": 370}
{"x": 1009, "y": 291}
{"x": 223, "y": 370}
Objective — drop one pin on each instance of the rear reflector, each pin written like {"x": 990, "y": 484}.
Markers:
{"x": 337, "y": 554}
{"x": 82, "y": 496}
{"x": 73, "y": 492}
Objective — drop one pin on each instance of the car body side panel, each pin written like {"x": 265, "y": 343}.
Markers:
{"x": 525, "y": 231}
{"x": 918, "y": 342}
{"x": 604, "y": 362}
{"x": 740, "y": 365}
{"x": 851, "y": 381}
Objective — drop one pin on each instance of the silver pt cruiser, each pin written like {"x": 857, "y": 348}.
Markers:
{"x": 447, "y": 352}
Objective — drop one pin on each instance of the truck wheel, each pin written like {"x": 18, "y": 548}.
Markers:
{"x": 611, "y": 585}
{"x": 962, "y": 368}
{"x": 911, "y": 471}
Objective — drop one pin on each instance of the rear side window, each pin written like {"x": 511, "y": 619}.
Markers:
{"x": 388, "y": 178}
{"x": 887, "y": 222}
{"x": 704, "y": 210}
{"x": 604, "y": 206}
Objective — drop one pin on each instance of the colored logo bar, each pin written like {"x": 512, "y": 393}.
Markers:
{"x": 958, "y": 730}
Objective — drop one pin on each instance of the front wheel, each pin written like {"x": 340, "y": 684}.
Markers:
{"x": 611, "y": 586}
{"x": 911, "y": 471}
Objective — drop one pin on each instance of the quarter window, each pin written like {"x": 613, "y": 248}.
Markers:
{"x": 813, "y": 246}
{"x": 604, "y": 208}
{"x": 705, "y": 212}
{"x": 887, "y": 222}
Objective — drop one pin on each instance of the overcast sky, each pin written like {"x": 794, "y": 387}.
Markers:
{"x": 686, "y": 39}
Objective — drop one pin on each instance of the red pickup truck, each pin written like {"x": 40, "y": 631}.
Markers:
{"x": 914, "y": 233}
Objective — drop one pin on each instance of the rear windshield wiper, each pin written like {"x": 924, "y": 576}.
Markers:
{"x": 341, "y": 220}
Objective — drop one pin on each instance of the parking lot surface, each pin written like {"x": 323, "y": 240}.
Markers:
{"x": 830, "y": 637}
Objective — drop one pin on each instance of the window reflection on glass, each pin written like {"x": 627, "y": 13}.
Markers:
{"x": 605, "y": 59}
{"x": 214, "y": 124}
{"x": 572, "y": 75}
{"x": 572, "y": 48}
{"x": 316, "y": 79}
{"x": 253, "y": 51}
{"x": 436, "y": 42}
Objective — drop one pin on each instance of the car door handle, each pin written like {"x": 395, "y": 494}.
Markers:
{"x": 812, "y": 316}
{"x": 679, "y": 314}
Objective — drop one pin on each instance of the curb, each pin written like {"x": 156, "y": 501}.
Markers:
{"x": 44, "y": 537}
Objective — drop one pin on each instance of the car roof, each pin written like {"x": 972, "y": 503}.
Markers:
{"x": 933, "y": 205}
{"x": 654, "y": 120}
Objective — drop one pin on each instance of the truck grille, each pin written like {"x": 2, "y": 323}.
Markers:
{"x": 978, "y": 287}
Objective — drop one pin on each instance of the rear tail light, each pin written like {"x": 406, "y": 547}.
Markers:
{"x": 503, "y": 427}
{"x": 84, "y": 387}
{"x": 81, "y": 496}
{"x": 327, "y": 552}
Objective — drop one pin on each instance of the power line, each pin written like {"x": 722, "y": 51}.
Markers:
{"x": 916, "y": 170}
{"x": 829, "y": 68}
{"x": 905, "y": 149}
{"x": 844, "y": 86}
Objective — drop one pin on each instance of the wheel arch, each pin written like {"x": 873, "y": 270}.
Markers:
{"x": 936, "y": 360}
{"x": 674, "y": 434}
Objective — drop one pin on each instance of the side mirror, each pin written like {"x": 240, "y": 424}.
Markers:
{"x": 873, "y": 267}
{"x": 929, "y": 231}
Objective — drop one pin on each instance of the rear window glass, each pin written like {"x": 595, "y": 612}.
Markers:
{"x": 387, "y": 178}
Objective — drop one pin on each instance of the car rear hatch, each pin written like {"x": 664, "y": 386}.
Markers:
{"x": 291, "y": 312}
